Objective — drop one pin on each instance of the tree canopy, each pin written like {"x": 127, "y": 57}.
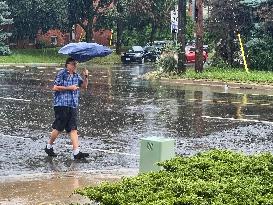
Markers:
{"x": 5, "y": 20}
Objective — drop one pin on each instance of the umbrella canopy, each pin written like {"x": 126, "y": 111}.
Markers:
{"x": 83, "y": 51}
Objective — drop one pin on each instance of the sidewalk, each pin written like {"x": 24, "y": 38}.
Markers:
{"x": 30, "y": 64}
{"x": 54, "y": 188}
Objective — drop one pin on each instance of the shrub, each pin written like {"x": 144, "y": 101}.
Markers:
{"x": 167, "y": 64}
{"x": 41, "y": 44}
{"x": 214, "y": 177}
{"x": 259, "y": 54}
{"x": 4, "y": 51}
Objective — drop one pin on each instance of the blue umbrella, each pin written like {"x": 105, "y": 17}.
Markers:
{"x": 83, "y": 51}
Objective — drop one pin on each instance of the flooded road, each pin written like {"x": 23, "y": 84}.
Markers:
{"x": 116, "y": 111}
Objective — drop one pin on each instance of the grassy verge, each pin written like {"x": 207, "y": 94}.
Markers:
{"x": 221, "y": 74}
{"x": 49, "y": 55}
{"x": 214, "y": 177}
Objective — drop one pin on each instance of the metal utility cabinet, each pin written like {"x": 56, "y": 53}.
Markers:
{"x": 153, "y": 150}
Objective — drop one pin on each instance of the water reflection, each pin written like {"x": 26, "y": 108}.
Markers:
{"x": 116, "y": 111}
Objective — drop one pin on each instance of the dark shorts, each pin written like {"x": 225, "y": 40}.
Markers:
{"x": 65, "y": 118}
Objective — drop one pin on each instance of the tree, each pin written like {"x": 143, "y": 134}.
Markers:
{"x": 153, "y": 12}
{"x": 199, "y": 36}
{"x": 4, "y": 21}
{"x": 87, "y": 13}
{"x": 228, "y": 17}
{"x": 32, "y": 15}
{"x": 181, "y": 35}
{"x": 264, "y": 12}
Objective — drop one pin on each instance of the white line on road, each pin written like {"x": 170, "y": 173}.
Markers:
{"x": 243, "y": 120}
{"x": 16, "y": 99}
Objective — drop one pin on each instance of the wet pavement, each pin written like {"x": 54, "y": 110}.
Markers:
{"x": 116, "y": 111}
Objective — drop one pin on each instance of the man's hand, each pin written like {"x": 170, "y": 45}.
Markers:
{"x": 85, "y": 72}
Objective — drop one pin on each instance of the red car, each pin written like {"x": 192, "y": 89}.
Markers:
{"x": 190, "y": 54}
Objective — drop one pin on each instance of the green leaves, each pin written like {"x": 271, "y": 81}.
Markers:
{"x": 4, "y": 20}
{"x": 213, "y": 177}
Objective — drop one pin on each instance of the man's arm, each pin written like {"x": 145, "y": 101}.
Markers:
{"x": 85, "y": 79}
{"x": 85, "y": 82}
{"x": 64, "y": 88}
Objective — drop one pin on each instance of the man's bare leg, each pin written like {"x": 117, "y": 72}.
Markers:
{"x": 49, "y": 149}
{"x": 75, "y": 143}
{"x": 74, "y": 139}
{"x": 53, "y": 136}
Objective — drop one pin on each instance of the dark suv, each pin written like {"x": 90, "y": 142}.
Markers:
{"x": 151, "y": 53}
{"x": 136, "y": 54}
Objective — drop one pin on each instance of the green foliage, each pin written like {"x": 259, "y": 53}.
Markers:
{"x": 168, "y": 60}
{"x": 213, "y": 177}
{"x": 32, "y": 15}
{"x": 40, "y": 44}
{"x": 225, "y": 20}
{"x": 4, "y": 51}
{"x": 4, "y": 21}
{"x": 167, "y": 64}
{"x": 260, "y": 54}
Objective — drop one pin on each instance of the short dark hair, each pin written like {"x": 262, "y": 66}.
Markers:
{"x": 69, "y": 60}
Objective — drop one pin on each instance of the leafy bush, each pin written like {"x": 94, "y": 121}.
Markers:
{"x": 260, "y": 54}
{"x": 41, "y": 44}
{"x": 167, "y": 64}
{"x": 214, "y": 177}
{"x": 168, "y": 60}
{"x": 4, "y": 51}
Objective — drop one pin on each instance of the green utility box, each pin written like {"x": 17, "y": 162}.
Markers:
{"x": 153, "y": 150}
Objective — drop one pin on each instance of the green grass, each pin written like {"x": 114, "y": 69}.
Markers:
{"x": 49, "y": 55}
{"x": 221, "y": 74}
{"x": 214, "y": 177}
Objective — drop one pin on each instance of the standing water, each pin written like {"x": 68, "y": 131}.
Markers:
{"x": 116, "y": 111}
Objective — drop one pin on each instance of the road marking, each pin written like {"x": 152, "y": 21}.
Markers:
{"x": 15, "y": 99}
{"x": 109, "y": 151}
{"x": 265, "y": 104}
{"x": 242, "y": 120}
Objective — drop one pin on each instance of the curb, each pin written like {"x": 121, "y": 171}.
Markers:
{"x": 30, "y": 64}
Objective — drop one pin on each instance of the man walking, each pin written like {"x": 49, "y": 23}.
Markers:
{"x": 66, "y": 86}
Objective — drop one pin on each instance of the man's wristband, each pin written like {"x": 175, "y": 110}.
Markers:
{"x": 86, "y": 76}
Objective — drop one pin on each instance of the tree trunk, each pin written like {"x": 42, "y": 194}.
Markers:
{"x": 181, "y": 67}
{"x": 119, "y": 36}
{"x": 199, "y": 37}
{"x": 153, "y": 32}
{"x": 120, "y": 23}
{"x": 89, "y": 32}
{"x": 230, "y": 49}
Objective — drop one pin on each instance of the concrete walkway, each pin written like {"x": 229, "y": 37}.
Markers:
{"x": 30, "y": 64}
{"x": 54, "y": 188}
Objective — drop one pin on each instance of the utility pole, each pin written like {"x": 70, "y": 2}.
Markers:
{"x": 199, "y": 36}
{"x": 181, "y": 67}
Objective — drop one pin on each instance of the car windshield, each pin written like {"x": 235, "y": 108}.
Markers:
{"x": 150, "y": 48}
{"x": 159, "y": 44}
{"x": 137, "y": 49}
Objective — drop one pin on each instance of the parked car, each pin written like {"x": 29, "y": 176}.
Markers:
{"x": 151, "y": 53}
{"x": 135, "y": 54}
{"x": 190, "y": 54}
{"x": 159, "y": 45}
